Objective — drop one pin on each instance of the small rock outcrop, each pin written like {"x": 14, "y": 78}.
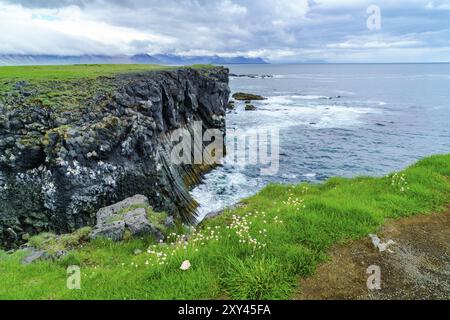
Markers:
{"x": 34, "y": 256}
{"x": 241, "y": 96}
{"x": 251, "y": 76}
{"x": 250, "y": 107}
{"x": 231, "y": 105}
{"x": 133, "y": 215}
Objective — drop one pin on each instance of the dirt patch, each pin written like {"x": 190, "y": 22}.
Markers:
{"x": 417, "y": 268}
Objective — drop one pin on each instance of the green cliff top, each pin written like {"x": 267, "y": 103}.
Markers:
{"x": 74, "y": 72}
{"x": 65, "y": 87}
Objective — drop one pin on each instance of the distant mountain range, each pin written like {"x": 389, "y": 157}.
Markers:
{"x": 165, "y": 59}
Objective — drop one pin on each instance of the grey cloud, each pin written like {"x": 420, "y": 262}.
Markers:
{"x": 273, "y": 27}
{"x": 51, "y": 4}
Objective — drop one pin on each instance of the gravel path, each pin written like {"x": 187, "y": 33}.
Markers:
{"x": 417, "y": 268}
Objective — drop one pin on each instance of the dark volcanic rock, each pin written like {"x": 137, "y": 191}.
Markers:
{"x": 241, "y": 96}
{"x": 57, "y": 168}
{"x": 231, "y": 105}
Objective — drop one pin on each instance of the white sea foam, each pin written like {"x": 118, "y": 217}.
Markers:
{"x": 283, "y": 114}
{"x": 278, "y": 100}
{"x": 305, "y": 76}
{"x": 294, "y": 99}
{"x": 298, "y": 105}
{"x": 310, "y": 175}
{"x": 308, "y": 97}
{"x": 228, "y": 184}
{"x": 222, "y": 188}
{"x": 289, "y": 176}
{"x": 283, "y": 111}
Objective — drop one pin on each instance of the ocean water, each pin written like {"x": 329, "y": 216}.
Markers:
{"x": 335, "y": 120}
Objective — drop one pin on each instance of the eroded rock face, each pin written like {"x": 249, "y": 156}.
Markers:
{"x": 57, "y": 168}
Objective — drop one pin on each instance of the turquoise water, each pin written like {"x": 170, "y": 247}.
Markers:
{"x": 335, "y": 120}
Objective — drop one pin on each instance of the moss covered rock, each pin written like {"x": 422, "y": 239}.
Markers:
{"x": 133, "y": 216}
{"x": 242, "y": 96}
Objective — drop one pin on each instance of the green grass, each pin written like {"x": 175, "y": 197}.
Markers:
{"x": 66, "y": 87}
{"x": 53, "y": 243}
{"x": 291, "y": 227}
{"x": 74, "y": 72}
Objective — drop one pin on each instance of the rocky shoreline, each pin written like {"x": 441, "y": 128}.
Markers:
{"x": 58, "y": 166}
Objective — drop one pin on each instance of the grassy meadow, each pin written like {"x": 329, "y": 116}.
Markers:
{"x": 79, "y": 71}
{"x": 258, "y": 250}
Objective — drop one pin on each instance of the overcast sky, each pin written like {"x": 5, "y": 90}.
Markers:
{"x": 277, "y": 30}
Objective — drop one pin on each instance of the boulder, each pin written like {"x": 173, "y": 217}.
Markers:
{"x": 137, "y": 222}
{"x": 131, "y": 215}
{"x": 107, "y": 213}
{"x": 112, "y": 230}
{"x": 231, "y": 105}
{"x": 250, "y": 107}
{"x": 36, "y": 256}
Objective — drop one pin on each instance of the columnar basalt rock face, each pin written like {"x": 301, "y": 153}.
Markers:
{"x": 57, "y": 168}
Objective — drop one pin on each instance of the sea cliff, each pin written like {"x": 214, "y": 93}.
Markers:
{"x": 70, "y": 147}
